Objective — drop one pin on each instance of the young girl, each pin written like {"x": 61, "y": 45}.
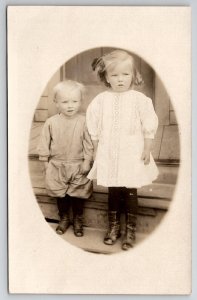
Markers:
{"x": 122, "y": 123}
{"x": 66, "y": 150}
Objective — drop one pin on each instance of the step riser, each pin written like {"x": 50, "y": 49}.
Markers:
{"x": 97, "y": 218}
{"x": 167, "y": 174}
{"x": 157, "y": 198}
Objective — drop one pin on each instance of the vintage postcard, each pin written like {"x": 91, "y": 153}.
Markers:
{"x": 99, "y": 158}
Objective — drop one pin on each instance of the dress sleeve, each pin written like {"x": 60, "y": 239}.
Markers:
{"x": 93, "y": 118}
{"x": 88, "y": 148}
{"x": 44, "y": 143}
{"x": 148, "y": 117}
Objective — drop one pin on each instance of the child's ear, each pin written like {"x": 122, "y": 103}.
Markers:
{"x": 56, "y": 103}
{"x": 106, "y": 77}
{"x": 138, "y": 79}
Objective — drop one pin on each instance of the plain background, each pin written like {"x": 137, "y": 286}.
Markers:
{"x": 3, "y": 167}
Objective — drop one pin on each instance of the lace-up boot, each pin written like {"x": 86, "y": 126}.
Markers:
{"x": 114, "y": 228}
{"x": 129, "y": 239}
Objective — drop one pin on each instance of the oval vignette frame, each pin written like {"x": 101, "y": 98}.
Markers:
{"x": 154, "y": 200}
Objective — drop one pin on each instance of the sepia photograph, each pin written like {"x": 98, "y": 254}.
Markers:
{"x": 127, "y": 188}
{"x": 99, "y": 137}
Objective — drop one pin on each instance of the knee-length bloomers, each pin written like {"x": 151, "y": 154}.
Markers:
{"x": 66, "y": 143}
{"x": 120, "y": 122}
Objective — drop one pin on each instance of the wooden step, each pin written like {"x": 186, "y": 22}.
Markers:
{"x": 97, "y": 203}
{"x": 154, "y": 190}
{"x": 153, "y": 202}
{"x": 168, "y": 172}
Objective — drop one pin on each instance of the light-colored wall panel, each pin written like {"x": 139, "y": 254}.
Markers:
{"x": 91, "y": 91}
{"x": 41, "y": 115}
{"x": 170, "y": 148}
{"x": 43, "y": 103}
{"x": 157, "y": 142}
{"x": 162, "y": 102}
{"x": 54, "y": 80}
{"x": 173, "y": 119}
{"x": 148, "y": 77}
{"x": 171, "y": 106}
{"x": 83, "y": 70}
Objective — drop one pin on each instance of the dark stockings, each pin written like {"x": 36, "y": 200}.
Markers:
{"x": 77, "y": 206}
{"x": 117, "y": 194}
{"x": 63, "y": 205}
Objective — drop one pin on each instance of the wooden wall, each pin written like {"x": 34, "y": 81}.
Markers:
{"x": 78, "y": 68}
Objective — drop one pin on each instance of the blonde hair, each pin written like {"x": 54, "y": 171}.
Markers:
{"x": 101, "y": 64}
{"x": 68, "y": 86}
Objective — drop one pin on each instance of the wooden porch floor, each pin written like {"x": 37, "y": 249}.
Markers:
{"x": 92, "y": 241}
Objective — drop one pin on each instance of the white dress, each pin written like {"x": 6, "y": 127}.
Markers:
{"x": 120, "y": 122}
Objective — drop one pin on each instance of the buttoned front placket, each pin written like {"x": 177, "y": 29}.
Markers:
{"x": 115, "y": 141}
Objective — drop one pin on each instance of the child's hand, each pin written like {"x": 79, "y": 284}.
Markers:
{"x": 146, "y": 157}
{"x": 147, "y": 150}
{"x": 95, "y": 145}
{"x": 85, "y": 167}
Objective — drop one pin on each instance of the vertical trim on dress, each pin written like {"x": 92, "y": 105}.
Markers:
{"x": 115, "y": 133}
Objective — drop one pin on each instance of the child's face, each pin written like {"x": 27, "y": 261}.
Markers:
{"x": 120, "y": 76}
{"x": 68, "y": 103}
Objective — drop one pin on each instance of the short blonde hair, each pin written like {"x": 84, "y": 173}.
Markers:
{"x": 101, "y": 64}
{"x": 68, "y": 85}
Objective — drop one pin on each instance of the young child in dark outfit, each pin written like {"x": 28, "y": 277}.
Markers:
{"x": 67, "y": 151}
